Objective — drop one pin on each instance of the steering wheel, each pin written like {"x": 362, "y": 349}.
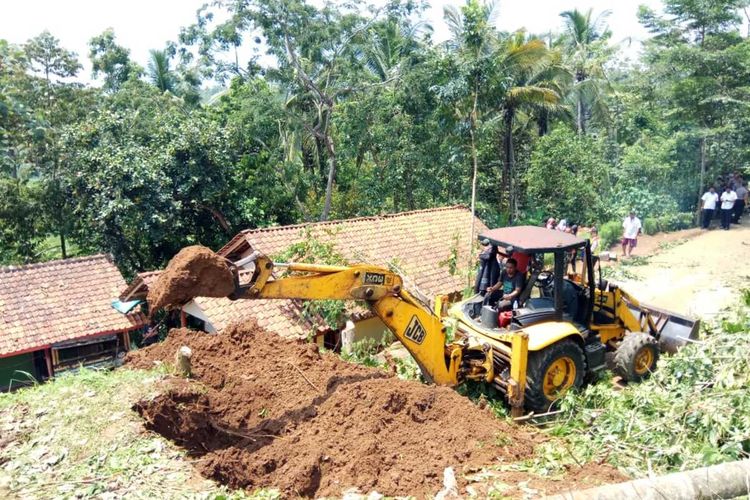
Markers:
{"x": 544, "y": 280}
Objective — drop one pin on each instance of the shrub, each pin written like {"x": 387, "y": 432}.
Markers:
{"x": 675, "y": 221}
{"x": 609, "y": 233}
{"x": 651, "y": 225}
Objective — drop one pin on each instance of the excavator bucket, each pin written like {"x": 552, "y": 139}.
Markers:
{"x": 674, "y": 329}
{"x": 195, "y": 271}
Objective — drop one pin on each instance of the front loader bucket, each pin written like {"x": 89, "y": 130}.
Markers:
{"x": 674, "y": 329}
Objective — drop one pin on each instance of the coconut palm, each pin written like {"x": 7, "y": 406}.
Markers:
{"x": 525, "y": 71}
{"x": 159, "y": 72}
{"x": 472, "y": 43}
{"x": 585, "y": 43}
{"x": 388, "y": 45}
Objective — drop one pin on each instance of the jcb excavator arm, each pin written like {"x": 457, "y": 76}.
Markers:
{"x": 414, "y": 324}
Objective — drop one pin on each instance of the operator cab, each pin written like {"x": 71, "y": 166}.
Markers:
{"x": 547, "y": 254}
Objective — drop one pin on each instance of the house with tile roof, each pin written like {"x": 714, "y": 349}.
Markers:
{"x": 58, "y": 315}
{"x": 428, "y": 247}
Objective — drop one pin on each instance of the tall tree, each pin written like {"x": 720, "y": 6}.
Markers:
{"x": 48, "y": 57}
{"x": 159, "y": 72}
{"x": 523, "y": 66}
{"x": 585, "y": 40}
{"x": 111, "y": 60}
{"x": 473, "y": 41}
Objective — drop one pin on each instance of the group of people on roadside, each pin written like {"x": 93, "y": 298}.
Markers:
{"x": 631, "y": 229}
{"x": 732, "y": 201}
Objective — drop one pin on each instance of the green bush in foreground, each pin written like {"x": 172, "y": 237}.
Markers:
{"x": 610, "y": 233}
{"x": 694, "y": 411}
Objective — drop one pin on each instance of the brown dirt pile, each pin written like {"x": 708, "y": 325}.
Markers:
{"x": 265, "y": 412}
{"x": 196, "y": 271}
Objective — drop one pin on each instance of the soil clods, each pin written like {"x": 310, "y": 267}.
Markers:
{"x": 196, "y": 271}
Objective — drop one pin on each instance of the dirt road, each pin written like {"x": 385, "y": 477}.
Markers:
{"x": 693, "y": 272}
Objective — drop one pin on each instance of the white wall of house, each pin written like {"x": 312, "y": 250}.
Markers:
{"x": 194, "y": 310}
{"x": 370, "y": 328}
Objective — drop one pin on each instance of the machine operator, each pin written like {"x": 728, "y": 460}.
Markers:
{"x": 508, "y": 287}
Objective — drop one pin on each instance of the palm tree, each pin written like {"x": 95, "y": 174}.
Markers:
{"x": 159, "y": 73}
{"x": 524, "y": 67}
{"x": 387, "y": 45}
{"x": 473, "y": 41}
{"x": 585, "y": 40}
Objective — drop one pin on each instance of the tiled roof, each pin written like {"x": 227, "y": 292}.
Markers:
{"x": 423, "y": 244}
{"x": 278, "y": 316}
{"x": 282, "y": 317}
{"x": 138, "y": 288}
{"x": 42, "y": 304}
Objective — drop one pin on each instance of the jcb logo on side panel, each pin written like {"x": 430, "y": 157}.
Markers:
{"x": 415, "y": 331}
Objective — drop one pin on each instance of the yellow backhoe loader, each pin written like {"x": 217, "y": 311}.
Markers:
{"x": 560, "y": 331}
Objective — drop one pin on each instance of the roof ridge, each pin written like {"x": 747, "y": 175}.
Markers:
{"x": 346, "y": 221}
{"x": 70, "y": 260}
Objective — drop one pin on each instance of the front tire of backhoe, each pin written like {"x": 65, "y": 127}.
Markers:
{"x": 636, "y": 357}
{"x": 551, "y": 373}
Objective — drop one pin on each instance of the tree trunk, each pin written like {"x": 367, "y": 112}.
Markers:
{"x": 475, "y": 169}
{"x": 63, "y": 247}
{"x": 508, "y": 163}
{"x": 580, "y": 127}
{"x": 543, "y": 122}
{"x": 331, "y": 176}
{"x": 703, "y": 166}
{"x": 727, "y": 480}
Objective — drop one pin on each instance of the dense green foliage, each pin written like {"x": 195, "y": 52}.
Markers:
{"x": 344, "y": 111}
{"x": 692, "y": 412}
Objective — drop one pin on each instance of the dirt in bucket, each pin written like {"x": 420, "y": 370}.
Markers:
{"x": 195, "y": 271}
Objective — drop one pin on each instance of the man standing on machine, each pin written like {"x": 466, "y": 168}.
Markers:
{"x": 508, "y": 287}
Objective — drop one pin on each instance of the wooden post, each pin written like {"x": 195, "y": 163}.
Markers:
{"x": 48, "y": 359}
{"x": 183, "y": 318}
{"x": 126, "y": 340}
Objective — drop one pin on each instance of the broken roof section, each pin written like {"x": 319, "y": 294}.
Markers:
{"x": 429, "y": 247}
{"x": 57, "y": 301}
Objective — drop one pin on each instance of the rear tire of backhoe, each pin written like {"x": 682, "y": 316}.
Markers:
{"x": 551, "y": 373}
{"x": 636, "y": 357}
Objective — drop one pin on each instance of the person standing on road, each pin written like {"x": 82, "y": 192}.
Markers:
{"x": 728, "y": 197}
{"x": 710, "y": 199}
{"x": 631, "y": 228}
{"x": 741, "y": 202}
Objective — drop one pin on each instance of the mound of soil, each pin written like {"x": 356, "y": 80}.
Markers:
{"x": 266, "y": 412}
{"x": 196, "y": 271}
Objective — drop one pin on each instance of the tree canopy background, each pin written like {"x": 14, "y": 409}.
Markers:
{"x": 353, "y": 110}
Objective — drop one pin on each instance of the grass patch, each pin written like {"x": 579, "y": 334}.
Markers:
{"x": 666, "y": 245}
{"x": 76, "y": 437}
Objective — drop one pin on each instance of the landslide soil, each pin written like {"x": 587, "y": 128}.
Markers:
{"x": 195, "y": 271}
{"x": 262, "y": 411}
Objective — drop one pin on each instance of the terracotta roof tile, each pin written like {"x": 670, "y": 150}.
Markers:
{"x": 282, "y": 317}
{"x": 421, "y": 243}
{"x": 42, "y": 304}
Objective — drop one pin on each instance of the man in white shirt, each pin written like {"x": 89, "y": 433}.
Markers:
{"x": 741, "y": 202}
{"x": 728, "y": 197}
{"x": 710, "y": 199}
{"x": 631, "y": 228}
